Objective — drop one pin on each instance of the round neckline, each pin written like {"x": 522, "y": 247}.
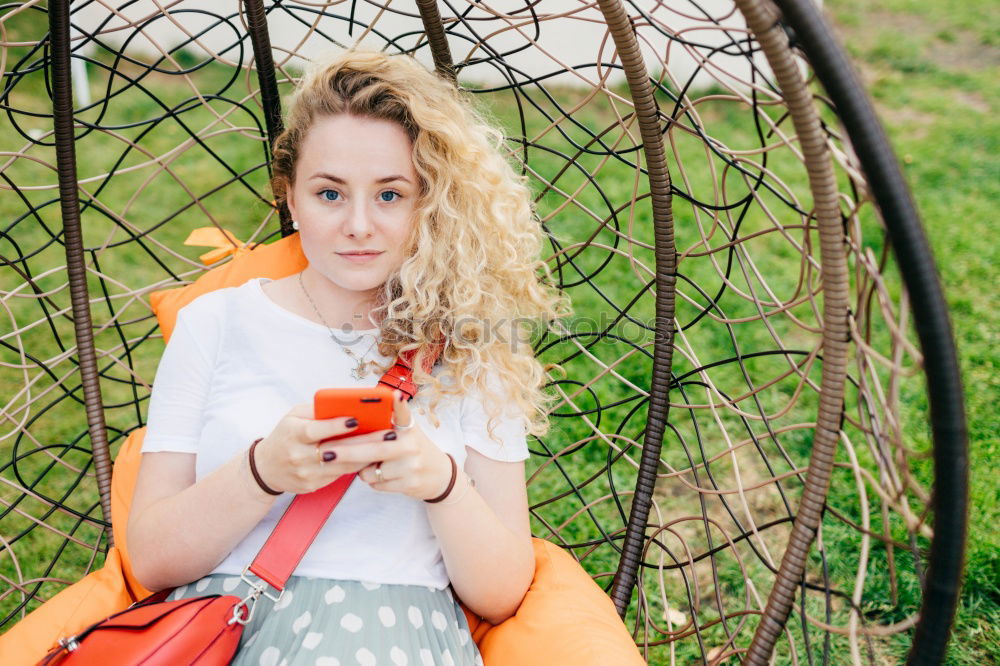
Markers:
{"x": 259, "y": 288}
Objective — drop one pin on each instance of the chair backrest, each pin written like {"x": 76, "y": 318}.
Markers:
{"x": 743, "y": 366}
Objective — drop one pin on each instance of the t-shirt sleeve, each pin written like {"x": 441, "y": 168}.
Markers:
{"x": 508, "y": 427}
{"x": 181, "y": 386}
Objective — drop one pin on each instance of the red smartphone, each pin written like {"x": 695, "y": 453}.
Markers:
{"x": 372, "y": 407}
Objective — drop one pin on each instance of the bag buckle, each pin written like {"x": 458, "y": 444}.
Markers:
{"x": 69, "y": 643}
{"x": 249, "y": 602}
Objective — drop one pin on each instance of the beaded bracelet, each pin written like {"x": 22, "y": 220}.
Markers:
{"x": 256, "y": 475}
{"x": 451, "y": 483}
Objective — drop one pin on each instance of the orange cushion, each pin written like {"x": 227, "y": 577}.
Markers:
{"x": 123, "y": 477}
{"x": 275, "y": 260}
{"x": 564, "y": 618}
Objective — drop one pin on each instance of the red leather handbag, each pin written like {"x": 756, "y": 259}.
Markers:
{"x": 201, "y": 630}
{"x": 206, "y": 630}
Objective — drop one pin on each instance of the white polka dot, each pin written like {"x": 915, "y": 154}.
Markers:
{"x": 446, "y": 659}
{"x": 387, "y": 615}
{"x": 230, "y": 584}
{"x": 311, "y": 640}
{"x": 301, "y": 622}
{"x": 426, "y": 658}
{"x": 327, "y": 661}
{"x": 284, "y": 662}
{"x": 179, "y": 592}
{"x": 334, "y": 595}
{"x": 284, "y": 600}
{"x": 201, "y": 585}
{"x": 416, "y": 617}
{"x": 439, "y": 621}
{"x": 352, "y": 623}
{"x": 370, "y": 586}
{"x": 398, "y": 657}
{"x": 269, "y": 657}
{"x": 479, "y": 660}
{"x": 365, "y": 657}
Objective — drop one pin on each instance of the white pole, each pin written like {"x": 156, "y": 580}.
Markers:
{"x": 78, "y": 69}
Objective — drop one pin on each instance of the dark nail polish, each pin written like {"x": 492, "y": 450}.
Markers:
{"x": 329, "y": 455}
{"x": 351, "y": 422}
{"x": 389, "y": 435}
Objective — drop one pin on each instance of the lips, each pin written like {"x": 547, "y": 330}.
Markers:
{"x": 359, "y": 257}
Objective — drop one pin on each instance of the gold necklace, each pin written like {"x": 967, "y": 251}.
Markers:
{"x": 361, "y": 370}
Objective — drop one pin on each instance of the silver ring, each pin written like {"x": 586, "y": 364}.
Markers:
{"x": 379, "y": 478}
{"x": 400, "y": 427}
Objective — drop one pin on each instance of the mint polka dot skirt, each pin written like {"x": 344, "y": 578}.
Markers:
{"x": 326, "y": 622}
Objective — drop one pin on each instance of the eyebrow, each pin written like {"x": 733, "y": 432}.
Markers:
{"x": 338, "y": 179}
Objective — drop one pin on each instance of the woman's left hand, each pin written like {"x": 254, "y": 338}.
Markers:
{"x": 416, "y": 466}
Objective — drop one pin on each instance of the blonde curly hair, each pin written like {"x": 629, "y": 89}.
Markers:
{"x": 472, "y": 266}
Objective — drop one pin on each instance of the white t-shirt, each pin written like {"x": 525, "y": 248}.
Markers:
{"x": 237, "y": 362}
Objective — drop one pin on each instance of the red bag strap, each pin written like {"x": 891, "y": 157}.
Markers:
{"x": 306, "y": 515}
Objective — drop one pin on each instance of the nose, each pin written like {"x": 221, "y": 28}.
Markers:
{"x": 359, "y": 221}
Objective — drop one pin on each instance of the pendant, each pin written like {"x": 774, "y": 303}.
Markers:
{"x": 357, "y": 373}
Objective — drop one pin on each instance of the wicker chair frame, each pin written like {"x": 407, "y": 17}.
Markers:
{"x": 844, "y": 171}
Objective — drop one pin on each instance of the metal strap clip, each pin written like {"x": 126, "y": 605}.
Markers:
{"x": 249, "y": 602}
{"x": 69, "y": 643}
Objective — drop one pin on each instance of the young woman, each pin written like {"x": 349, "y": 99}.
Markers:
{"x": 416, "y": 230}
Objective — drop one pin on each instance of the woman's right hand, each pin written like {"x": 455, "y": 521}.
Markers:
{"x": 289, "y": 458}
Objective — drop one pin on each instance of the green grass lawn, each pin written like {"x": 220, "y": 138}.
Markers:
{"x": 938, "y": 99}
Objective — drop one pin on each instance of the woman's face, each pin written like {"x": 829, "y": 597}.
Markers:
{"x": 355, "y": 188}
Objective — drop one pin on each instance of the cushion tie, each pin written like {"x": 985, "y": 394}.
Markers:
{"x": 223, "y": 240}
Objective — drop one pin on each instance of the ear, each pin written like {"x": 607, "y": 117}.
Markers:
{"x": 290, "y": 200}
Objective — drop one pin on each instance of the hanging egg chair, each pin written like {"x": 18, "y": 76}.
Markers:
{"x": 758, "y": 452}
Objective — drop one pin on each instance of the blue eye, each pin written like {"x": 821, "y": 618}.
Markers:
{"x": 329, "y": 195}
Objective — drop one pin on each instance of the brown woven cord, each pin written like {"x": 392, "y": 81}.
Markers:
{"x": 62, "y": 108}
{"x": 762, "y": 19}
{"x": 431, "y": 17}
{"x": 647, "y": 114}
{"x": 270, "y": 100}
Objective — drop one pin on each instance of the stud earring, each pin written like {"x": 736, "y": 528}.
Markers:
{"x": 295, "y": 225}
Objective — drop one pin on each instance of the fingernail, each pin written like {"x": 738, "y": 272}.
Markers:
{"x": 329, "y": 455}
{"x": 389, "y": 435}
{"x": 351, "y": 422}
